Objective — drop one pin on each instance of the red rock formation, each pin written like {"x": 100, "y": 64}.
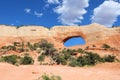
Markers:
{"x": 93, "y": 34}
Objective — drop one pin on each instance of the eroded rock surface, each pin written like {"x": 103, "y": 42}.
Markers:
{"x": 92, "y": 34}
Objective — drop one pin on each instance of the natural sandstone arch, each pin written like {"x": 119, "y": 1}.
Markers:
{"x": 72, "y": 37}
{"x": 92, "y": 34}
{"x": 74, "y": 41}
{"x": 69, "y": 36}
{"x": 62, "y": 33}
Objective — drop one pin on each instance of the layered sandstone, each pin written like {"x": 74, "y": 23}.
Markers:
{"x": 92, "y": 34}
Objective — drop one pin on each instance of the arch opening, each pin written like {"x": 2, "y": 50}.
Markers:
{"x": 74, "y": 41}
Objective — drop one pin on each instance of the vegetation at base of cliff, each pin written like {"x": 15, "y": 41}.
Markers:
{"x": 12, "y": 59}
{"x": 108, "y": 47}
{"x": 41, "y": 58}
{"x": 48, "y": 77}
{"x": 72, "y": 57}
{"x": 17, "y": 60}
{"x": 67, "y": 57}
{"x": 26, "y": 59}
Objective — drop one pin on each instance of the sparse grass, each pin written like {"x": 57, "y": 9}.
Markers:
{"x": 48, "y": 77}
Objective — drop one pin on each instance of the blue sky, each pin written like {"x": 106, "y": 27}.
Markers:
{"x": 50, "y": 13}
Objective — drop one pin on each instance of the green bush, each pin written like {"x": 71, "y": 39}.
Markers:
{"x": 31, "y": 47}
{"x": 93, "y": 56}
{"x": 9, "y": 47}
{"x": 64, "y": 56}
{"x": 88, "y": 59}
{"x": 4, "y": 47}
{"x": 80, "y": 50}
{"x": 49, "y": 51}
{"x": 48, "y": 48}
{"x": 41, "y": 58}
{"x": 74, "y": 63}
{"x": 87, "y": 47}
{"x": 106, "y": 46}
{"x": 82, "y": 61}
{"x": 13, "y": 59}
{"x": 44, "y": 44}
{"x": 36, "y": 45}
{"x": 26, "y": 60}
{"x": 16, "y": 43}
{"x": 21, "y": 50}
{"x": 93, "y": 45}
{"x": 68, "y": 51}
{"x": 109, "y": 58}
{"x": 59, "y": 59}
{"x": 53, "y": 77}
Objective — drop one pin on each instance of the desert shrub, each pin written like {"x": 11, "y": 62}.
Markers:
{"x": 21, "y": 49}
{"x": 28, "y": 44}
{"x": 48, "y": 48}
{"x": 85, "y": 60}
{"x": 106, "y": 46}
{"x": 82, "y": 61}
{"x": 67, "y": 56}
{"x": 25, "y": 60}
{"x": 93, "y": 56}
{"x": 80, "y": 50}
{"x": 109, "y": 58}
{"x": 59, "y": 59}
{"x": 36, "y": 45}
{"x": 89, "y": 59}
{"x": 4, "y": 47}
{"x": 93, "y": 45}
{"x": 16, "y": 43}
{"x": 44, "y": 44}
{"x": 31, "y": 47}
{"x": 87, "y": 47}
{"x": 53, "y": 77}
{"x": 74, "y": 63}
{"x": 13, "y": 59}
{"x": 9, "y": 47}
{"x": 68, "y": 51}
{"x": 49, "y": 51}
{"x": 41, "y": 58}
{"x": 21, "y": 44}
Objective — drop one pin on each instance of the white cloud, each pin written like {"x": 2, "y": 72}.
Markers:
{"x": 12, "y": 24}
{"x": 35, "y": 13}
{"x": 47, "y": 6}
{"x": 106, "y": 13}
{"x": 71, "y": 11}
{"x": 38, "y": 14}
{"x": 114, "y": 0}
{"x": 27, "y": 10}
{"x": 53, "y": 1}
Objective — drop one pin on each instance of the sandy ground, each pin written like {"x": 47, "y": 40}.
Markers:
{"x": 106, "y": 71}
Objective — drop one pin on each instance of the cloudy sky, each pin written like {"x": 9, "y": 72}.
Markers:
{"x": 49, "y": 13}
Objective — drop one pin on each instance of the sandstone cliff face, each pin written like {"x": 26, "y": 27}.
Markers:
{"x": 92, "y": 34}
